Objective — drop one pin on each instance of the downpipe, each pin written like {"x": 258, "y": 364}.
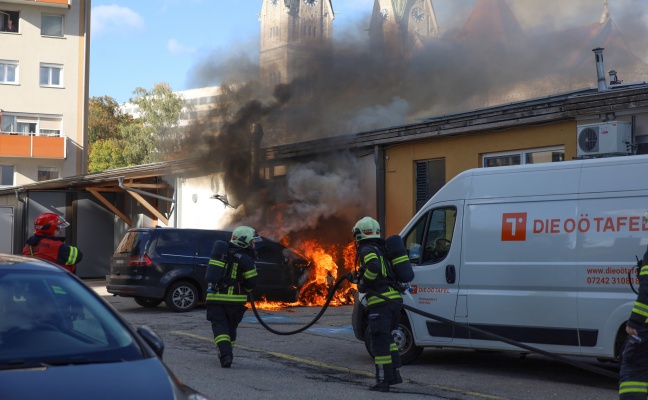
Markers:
{"x": 349, "y": 277}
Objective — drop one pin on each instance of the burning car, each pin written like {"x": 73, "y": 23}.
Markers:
{"x": 153, "y": 265}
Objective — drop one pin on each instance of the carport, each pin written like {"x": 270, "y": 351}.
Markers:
{"x": 100, "y": 208}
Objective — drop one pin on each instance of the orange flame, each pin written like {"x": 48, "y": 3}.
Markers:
{"x": 323, "y": 275}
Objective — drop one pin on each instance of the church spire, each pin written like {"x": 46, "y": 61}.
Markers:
{"x": 606, "y": 13}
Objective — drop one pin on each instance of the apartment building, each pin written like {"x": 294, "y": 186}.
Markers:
{"x": 44, "y": 80}
{"x": 199, "y": 104}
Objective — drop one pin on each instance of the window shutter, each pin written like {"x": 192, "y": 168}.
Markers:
{"x": 421, "y": 184}
{"x": 26, "y": 120}
{"x": 53, "y": 124}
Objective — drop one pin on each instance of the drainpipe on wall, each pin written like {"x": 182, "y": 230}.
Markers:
{"x": 142, "y": 192}
{"x": 379, "y": 159}
{"x": 23, "y": 222}
{"x": 157, "y": 196}
{"x": 255, "y": 154}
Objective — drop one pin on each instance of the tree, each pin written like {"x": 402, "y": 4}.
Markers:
{"x": 117, "y": 140}
{"x": 106, "y": 154}
{"x": 160, "y": 110}
{"x": 105, "y": 119}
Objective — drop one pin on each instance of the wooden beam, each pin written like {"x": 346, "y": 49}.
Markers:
{"x": 110, "y": 206}
{"x": 149, "y": 207}
{"x": 107, "y": 189}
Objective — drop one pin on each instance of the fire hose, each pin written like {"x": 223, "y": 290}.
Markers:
{"x": 587, "y": 367}
{"x": 329, "y": 297}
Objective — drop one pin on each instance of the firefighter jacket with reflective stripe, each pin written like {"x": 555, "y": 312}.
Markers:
{"x": 239, "y": 277}
{"x": 54, "y": 250}
{"x": 373, "y": 272}
{"x": 639, "y": 315}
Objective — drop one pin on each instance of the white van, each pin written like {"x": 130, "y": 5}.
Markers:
{"x": 542, "y": 254}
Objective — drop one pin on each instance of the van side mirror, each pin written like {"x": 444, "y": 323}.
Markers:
{"x": 414, "y": 253}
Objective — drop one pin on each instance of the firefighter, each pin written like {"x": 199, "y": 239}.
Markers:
{"x": 236, "y": 276}
{"x": 633, "y": 383}
{"x": 383, "y": 316}
{"x": 48, "y": 242}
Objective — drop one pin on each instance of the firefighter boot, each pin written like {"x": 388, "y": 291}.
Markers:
{"x": 226, "y": 360}
{"x": 397, "y": 378}
{"x": 382, "y": 384}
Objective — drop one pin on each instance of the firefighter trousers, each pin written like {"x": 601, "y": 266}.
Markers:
{"x": 633, "y": 382}
{"x": 225, "y": 319}
{"x": 383, "y": 319}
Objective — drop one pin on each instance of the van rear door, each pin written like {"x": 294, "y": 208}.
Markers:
{"x": 433, "y": 241}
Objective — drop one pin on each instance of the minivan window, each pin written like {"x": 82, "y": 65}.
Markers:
{"x": 176, "y": 243}
{"x": 205, "y": 242}
{"x": 430, "y": 239}
{"x": 133, "y": 243}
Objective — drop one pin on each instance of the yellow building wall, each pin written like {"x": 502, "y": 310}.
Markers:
{"x": 460, "y": 153}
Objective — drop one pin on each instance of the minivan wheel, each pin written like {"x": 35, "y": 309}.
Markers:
{"x": 403, "y": 338}
{"x": 181, "y": 296}
{"x": 147, "y": 302}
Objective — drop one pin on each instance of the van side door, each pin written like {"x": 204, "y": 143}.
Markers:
{"x": 433, "y": 242}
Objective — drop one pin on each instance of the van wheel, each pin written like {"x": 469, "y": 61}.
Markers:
{"x": 147, "y": 302}
{"x": 403, "y": 338}
{"x": 181, "y": 297}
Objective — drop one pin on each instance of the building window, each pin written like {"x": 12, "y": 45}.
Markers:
{"x": 26, "y": 125}
{"x": 51, "y": 75}
{"x": 31, "y": 125}
{"x": 429, "y": 178}
{"x": 8, "y": 71}
{"x": 49, "y": 126}
{"x": 52, "y": 25}
{"x": 9, "y": 21}
{"x": 6, "y": 175}
{"x": 310, "y": 31}
{"x": 531, "y": 156}
{"x": 47, "y": 173}
{"x": 275, "y": 78}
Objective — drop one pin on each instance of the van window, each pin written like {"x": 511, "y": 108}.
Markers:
{"x": 205, "y": 242}
{"x": 430, "y": 239}
{"x": 175, "y": 243}
{"x": 133, "y": 243}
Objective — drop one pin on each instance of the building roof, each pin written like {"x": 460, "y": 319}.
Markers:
{"x": 559, "y": 107}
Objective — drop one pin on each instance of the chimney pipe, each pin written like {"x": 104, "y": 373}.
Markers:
{"x": 600, "y": 70}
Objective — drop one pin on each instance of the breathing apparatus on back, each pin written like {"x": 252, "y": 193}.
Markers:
{"x": 397, "y": 264}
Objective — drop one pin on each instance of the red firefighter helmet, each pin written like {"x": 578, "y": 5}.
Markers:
{"x": 46, "y": 223}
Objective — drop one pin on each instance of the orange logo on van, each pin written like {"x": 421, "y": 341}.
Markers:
{"x": 514, "y": 227}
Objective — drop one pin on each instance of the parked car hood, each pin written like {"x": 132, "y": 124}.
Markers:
{"x": 141, "y": 379}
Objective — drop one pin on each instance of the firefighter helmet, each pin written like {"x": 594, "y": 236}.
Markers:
{"x": 366, "y": 228}
{"x": 47, "y": 223}
{"x": 243, "y": 236}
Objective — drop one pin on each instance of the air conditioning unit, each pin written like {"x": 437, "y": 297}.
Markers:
{"x": 606, "y": 138}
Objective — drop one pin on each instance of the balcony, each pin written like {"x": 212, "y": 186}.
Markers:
{"x": 29, "y": 145}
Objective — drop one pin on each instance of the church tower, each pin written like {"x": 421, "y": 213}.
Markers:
{"x": 293, "y": 33}
{"x": 399, "y": 27}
